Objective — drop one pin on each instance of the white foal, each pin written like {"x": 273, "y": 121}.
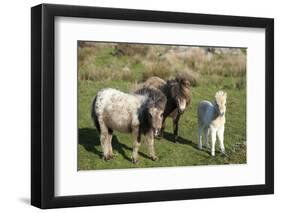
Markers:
{"x": 211, "y": 117}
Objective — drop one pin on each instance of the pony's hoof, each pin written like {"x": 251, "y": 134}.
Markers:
{"x": 113, "y": 155}
{"x": 199, "y": 147}
{"x": 154, "y": 158}
{"x": 134, "y": 160}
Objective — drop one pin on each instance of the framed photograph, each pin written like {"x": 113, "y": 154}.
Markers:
{"x": 139, "y": 106}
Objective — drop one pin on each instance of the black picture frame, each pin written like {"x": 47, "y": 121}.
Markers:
{"x": 43, "y": 102}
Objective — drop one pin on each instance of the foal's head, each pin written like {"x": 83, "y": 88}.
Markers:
{"x": 220, "y": 102}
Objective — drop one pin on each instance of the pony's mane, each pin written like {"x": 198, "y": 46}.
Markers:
{"x": 154, "y": 97}
{"x": 145, "y": 118}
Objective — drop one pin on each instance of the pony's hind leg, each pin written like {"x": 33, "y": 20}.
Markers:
{"x": 200, "y": 137}
{"x": 104, "y": 135}
{"x": 206, "y": 137}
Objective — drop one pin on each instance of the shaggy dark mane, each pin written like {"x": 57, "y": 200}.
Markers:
{"x": 145, "y": 118}
{"x": 184, "y": 84}
{"x": 155, "y": 97}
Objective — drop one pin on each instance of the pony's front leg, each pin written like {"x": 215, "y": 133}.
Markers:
{"x": 176, "y": 126}
{"x": 136, "y": 145}
{"x": 150, "y": 142}
{"x": 213, "y": 137}
{"x": 162, "y": 127}
{"x": 221, "y": 139}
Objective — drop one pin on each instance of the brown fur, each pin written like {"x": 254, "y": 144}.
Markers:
{"x": 154, "y": 82}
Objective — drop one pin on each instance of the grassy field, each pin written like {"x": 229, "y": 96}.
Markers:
{"x": 183, "y": 153}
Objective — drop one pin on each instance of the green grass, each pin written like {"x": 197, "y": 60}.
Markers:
{"x": 183, "y": 153}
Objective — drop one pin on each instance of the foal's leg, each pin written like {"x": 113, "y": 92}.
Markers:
{"x": 176, "y": 125}
{"x": 213, "y": 137}
{"x": 200, "y": 136}
{"x": 136, "y": 145}
{"x": 221, "y": 139}
{"x": 206, "y": 137}
{"x": 150, "y": 142}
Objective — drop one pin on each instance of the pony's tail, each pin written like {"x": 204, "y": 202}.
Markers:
{"x": 94, "y": 114}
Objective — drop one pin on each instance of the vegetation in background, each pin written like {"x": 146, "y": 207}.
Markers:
{"x": 122, "y": 66}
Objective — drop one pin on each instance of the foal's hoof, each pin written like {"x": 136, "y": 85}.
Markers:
{"x": 199, "y": 147}
{"x": 154, "y": 158}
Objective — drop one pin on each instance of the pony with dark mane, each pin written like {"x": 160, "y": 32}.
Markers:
{"x": 178, "y": 94}
{"x": 139, "y": 113}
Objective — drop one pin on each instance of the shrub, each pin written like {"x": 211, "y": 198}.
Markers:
{"x": 130, "y": 49}
{"x": 160, "y": 69}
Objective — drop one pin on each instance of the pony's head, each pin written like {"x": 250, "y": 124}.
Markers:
{"x": 220, "y": 102}
{"x": 153, "y": 108}
{"x": 156, "y": 119}
{"x": 180, "y": 90}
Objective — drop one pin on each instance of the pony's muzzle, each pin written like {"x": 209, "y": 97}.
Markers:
{"x": 156, "y": 131}
{"x": 180, "y": 110}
